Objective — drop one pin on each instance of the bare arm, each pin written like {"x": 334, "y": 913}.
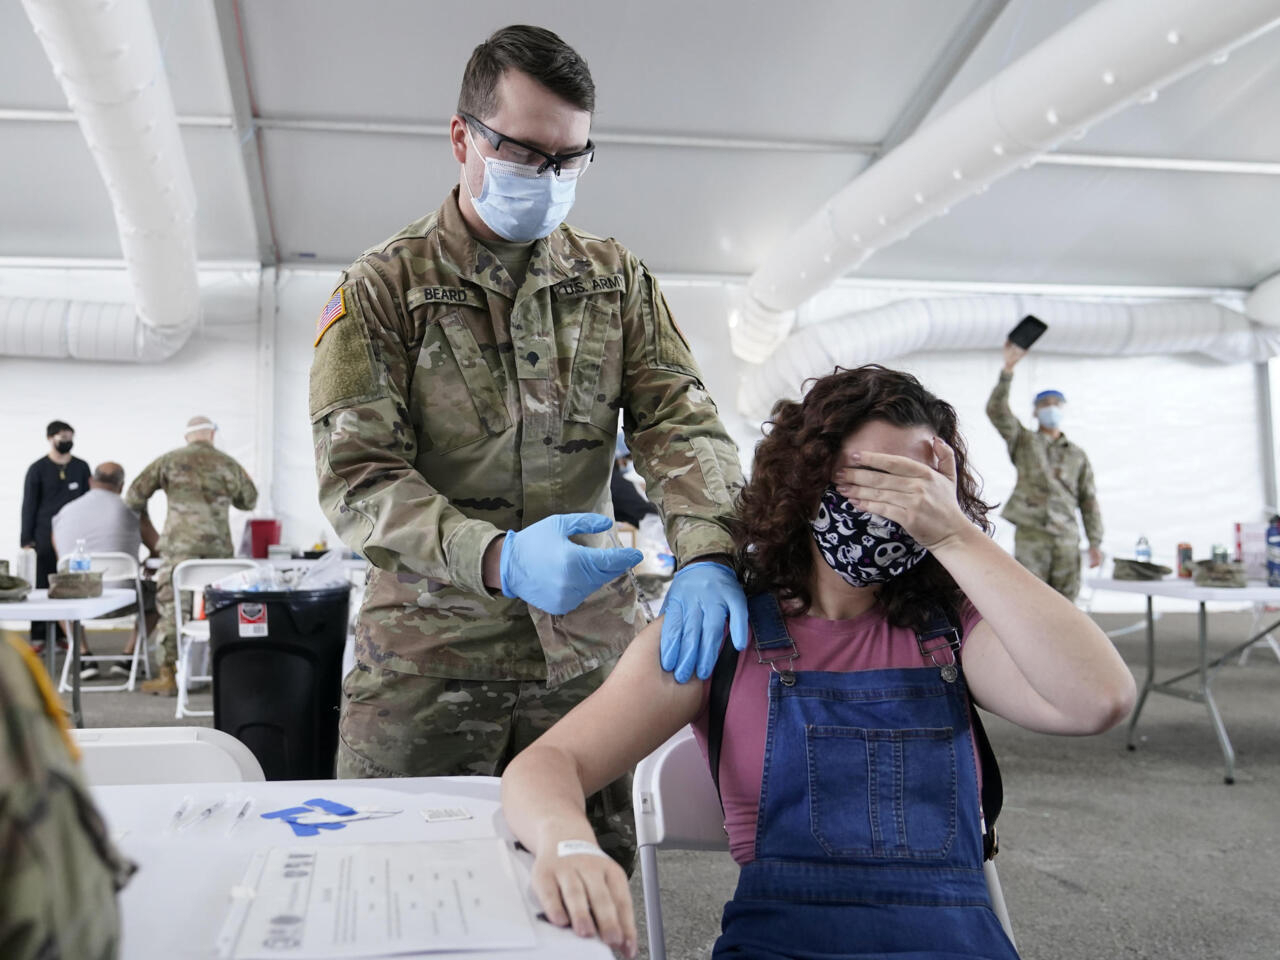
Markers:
{"x": 1036, "y": 659}
{"x": 545, "y": 787}
{"x": 148, "y": 531}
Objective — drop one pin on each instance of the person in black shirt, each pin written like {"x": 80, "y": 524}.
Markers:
{"x": 52, "y": 482}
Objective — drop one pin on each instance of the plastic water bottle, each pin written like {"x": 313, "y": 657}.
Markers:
{"x": 79, "y": 562}
{"x": 1142, "y": 551}
{"x": 1273, "y": 552}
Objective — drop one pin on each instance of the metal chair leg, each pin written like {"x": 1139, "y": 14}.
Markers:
{"x": 652, "y": 903}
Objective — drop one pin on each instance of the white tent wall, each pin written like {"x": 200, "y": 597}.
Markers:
{"x": 130, "y": 412}
{"x": 1176, "y": 442}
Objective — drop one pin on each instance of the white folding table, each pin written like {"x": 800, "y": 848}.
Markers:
{"x": 37, "y": 606}
{"x": 1206, "y": 669}
{"x": 175, "y": 905}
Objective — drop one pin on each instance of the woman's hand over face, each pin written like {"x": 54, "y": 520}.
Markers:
{"x": 918, "y": 497}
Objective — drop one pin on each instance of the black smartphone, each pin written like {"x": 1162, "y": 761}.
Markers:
{"x": 1028, "y": 331}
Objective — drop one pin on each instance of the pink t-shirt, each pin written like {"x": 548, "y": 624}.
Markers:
{"x": 867, "y": 642}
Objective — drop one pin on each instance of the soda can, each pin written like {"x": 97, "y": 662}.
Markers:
{"x": 1184, "y": 560}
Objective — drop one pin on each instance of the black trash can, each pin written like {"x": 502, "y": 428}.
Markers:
{"x": 277, "y": 673}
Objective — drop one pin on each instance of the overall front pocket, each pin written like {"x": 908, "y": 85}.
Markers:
{"x": 882, "y": 794}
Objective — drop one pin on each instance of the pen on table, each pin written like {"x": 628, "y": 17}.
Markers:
{"x": 244, "y": 810}
{"x": 181, "y": 812}
{"x": 205, "y": 814}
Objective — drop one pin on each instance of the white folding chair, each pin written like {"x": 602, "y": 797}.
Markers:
{"x": 132, "y": 755}
{"x": 692, "y": 820}
{"x": 113, "y": 567}
{"x": 193, "y": 575}
{"x": 1261, "y": 611}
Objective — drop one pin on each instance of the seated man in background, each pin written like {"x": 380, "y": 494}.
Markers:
{"x": 101, "y": 519}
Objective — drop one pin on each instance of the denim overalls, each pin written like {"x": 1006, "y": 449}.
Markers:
{"x": 869, "y": 839}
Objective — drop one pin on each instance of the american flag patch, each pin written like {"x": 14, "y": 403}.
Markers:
{"x": 333, "y": 311}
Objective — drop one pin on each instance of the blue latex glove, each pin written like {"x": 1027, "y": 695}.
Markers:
{"x": 701, "y": 597}
{"x": 547, "y": 570}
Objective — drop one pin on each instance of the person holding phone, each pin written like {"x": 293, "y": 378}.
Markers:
{"x": 1055, "y": 480}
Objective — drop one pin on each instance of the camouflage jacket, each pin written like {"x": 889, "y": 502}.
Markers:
{"x": 447, "y": 407}
{"x": 199, "y": 482}
{"x": 1054, "y": 476}
{"x": 60, "y": 871}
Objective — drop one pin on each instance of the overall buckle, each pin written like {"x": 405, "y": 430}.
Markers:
{"x": 786, "y": 674}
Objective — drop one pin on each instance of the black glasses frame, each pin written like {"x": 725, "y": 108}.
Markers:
{"x": 551, "y": 160}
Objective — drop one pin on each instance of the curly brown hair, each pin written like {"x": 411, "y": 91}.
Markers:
{"x": 793, "y": 466}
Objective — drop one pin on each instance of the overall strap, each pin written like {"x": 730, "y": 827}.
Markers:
{"x": 770, "y": 634}
{"x": 942, "y": 632}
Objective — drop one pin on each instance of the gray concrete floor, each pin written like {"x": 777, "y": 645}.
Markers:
{"x": 1104, "y": 852}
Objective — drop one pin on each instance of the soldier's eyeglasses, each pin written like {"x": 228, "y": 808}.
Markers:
{"x": 516, "y": 151}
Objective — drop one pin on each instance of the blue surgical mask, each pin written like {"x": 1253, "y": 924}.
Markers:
{"x": 518, "y": 203}
{"x": 1050, "y": 417}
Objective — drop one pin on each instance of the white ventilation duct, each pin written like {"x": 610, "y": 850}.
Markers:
{"x": 1115, "y": 53}
{"x": 107, "y": 58}
{"x": 982, "y": 323}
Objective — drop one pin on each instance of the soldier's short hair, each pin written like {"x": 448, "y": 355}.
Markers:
{"x": 535, "y": 51}
{"x": 55, "y": 427}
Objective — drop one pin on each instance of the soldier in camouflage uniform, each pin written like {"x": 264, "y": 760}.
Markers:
{"x": 60, "y": 871}
{"x": 1054, "y": 481}
{"x": 199, "y": 482}
{"x": 465, "y": 393}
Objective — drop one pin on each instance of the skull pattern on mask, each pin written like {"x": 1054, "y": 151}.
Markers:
{"x": 861, "y": 547}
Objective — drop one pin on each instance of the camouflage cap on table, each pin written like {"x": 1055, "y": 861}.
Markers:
{"x": 75, "y": 586}
{"x": 13, "y": 588}
{"x": 1139, "y": 570}
{"x": 1211, "y": 573}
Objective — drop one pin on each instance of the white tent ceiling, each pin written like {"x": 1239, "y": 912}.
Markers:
{"x": 796, "y": 98}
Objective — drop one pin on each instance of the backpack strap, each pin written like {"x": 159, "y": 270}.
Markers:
{"x": 941, "y": 632}
{"x": 772, "y": 643}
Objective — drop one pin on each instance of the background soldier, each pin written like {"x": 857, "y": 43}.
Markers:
{"x": 199, "y": 483}
{"x": 465, "y": 393}
{"x": 61, "y": 872}
{"x": 1054, "y": 480}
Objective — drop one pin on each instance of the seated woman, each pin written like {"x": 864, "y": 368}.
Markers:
{"x": 848, "y": 771}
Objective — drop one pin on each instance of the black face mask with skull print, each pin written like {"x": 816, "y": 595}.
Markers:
{"x": 862, "y": 547}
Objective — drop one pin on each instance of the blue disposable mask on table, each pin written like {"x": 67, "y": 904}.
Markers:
{"x": 1050, "y": 417}
{"x": 861, "y": 547}
{"x": 517, "y": 202}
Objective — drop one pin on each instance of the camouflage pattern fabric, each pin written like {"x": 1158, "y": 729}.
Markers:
{"x": 1055, "y": 560}
{"x": 200, "y": 483}
{"x": 449, "y": 406}
{"x": 1054, "y": 476}
{"x": 61, "y": 872}
{"x": 401, "y": 724}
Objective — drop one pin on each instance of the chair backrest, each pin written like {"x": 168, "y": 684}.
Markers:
{"x": 194, "y": 574}
{"x": 675, "y": 799}
{"x": 112, "y": 565}
{"x": 132, "y": 755}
